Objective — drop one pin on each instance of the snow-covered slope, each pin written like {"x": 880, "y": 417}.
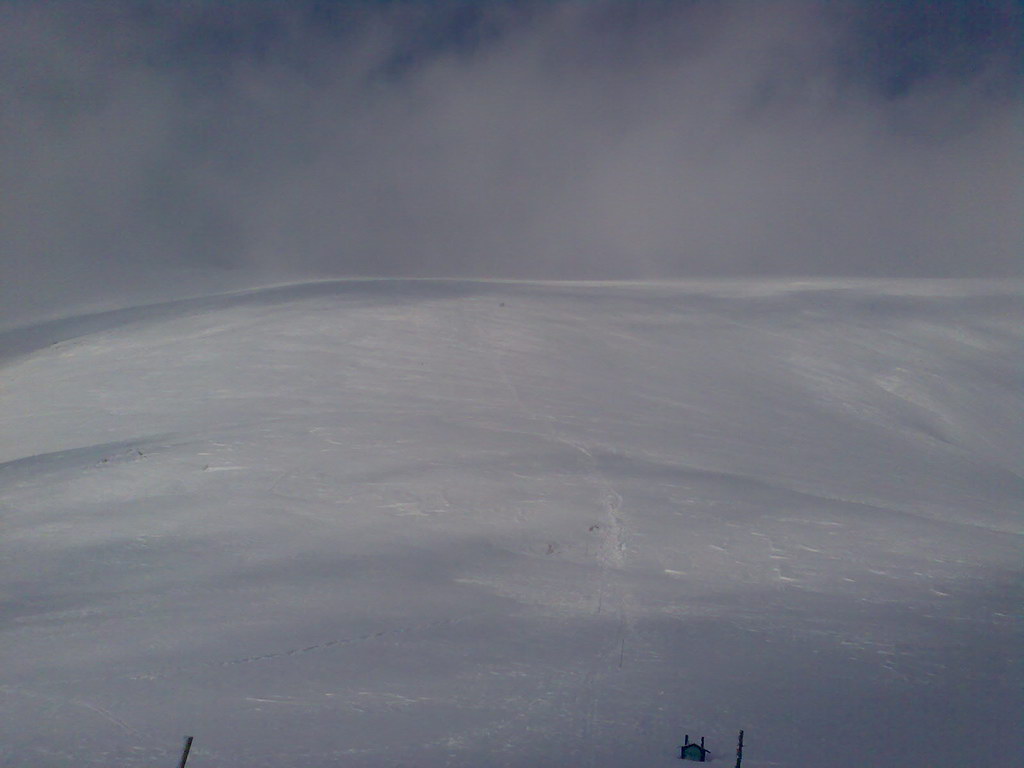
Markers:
{"x": 422, "y": 523}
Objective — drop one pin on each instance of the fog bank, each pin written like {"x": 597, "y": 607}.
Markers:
{"x": 159, "y": 148}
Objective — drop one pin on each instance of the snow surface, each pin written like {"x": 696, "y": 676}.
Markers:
{"x": 439, "y": 523}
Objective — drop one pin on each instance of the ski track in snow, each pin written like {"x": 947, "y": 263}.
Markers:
{"x": 610, "y": 552}
{"x": 89, "y": 705}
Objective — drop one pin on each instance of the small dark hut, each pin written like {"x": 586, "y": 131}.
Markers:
{"x": 693, "y": 751}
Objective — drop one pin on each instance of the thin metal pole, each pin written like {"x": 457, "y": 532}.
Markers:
{"x": 184, "y": 752}
{"x": 739, "y": 752}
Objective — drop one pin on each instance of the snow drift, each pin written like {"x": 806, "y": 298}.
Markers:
{"x": 443, "y": 523}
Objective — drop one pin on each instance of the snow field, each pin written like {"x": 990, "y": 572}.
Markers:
{"x": 451, "y": 524}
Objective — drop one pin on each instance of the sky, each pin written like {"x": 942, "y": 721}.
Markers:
{"x": 149, "y": 149}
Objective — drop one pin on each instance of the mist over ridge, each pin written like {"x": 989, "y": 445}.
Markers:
{"x": 167, "y": 148}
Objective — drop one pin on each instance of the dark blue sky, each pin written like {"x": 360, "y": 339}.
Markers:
{"x": 171, "y": 146}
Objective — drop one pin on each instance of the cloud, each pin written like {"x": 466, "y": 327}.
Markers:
{"x": 186, "y": 146}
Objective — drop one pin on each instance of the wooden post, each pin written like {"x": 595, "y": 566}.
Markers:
{"x": 739, "y": 752}
{"x": 185, "y": 751}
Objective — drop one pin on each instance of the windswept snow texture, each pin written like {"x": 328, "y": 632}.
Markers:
{"x": 421, "y": 523}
